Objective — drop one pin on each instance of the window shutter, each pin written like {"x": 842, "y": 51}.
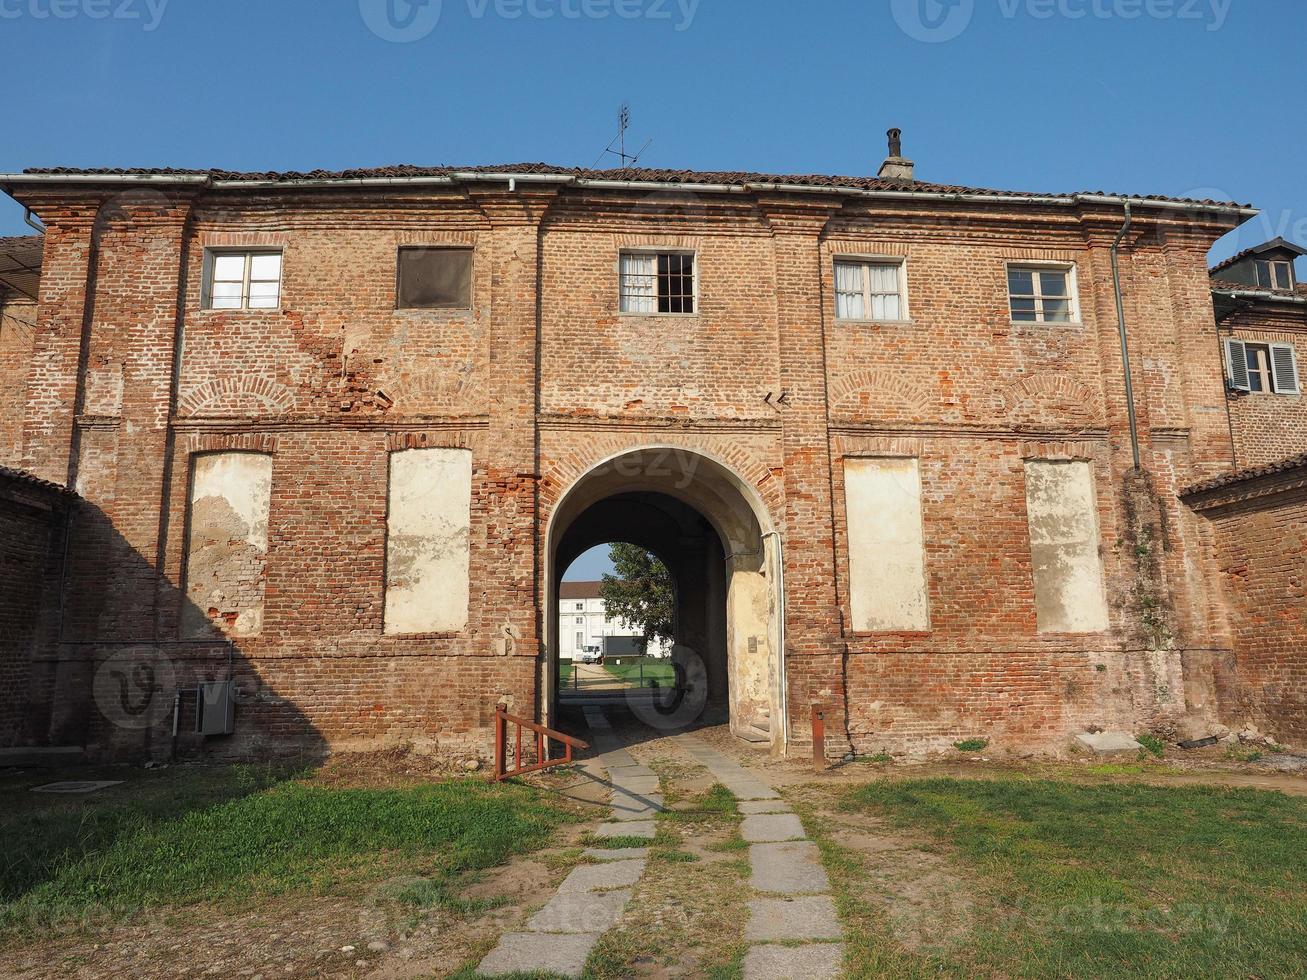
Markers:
{"x": 1236, "y": 362}
{"x": 1284, "y": 364}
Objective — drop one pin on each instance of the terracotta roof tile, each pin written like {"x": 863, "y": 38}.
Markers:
{"x": 1229, "y": 479}
{"x": 633, "y": 174}
{"x": 31, "y": 480}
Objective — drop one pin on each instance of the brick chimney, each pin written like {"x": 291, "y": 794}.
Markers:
{"x": 896, "y": 166}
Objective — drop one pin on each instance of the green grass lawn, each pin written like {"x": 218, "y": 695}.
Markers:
{"x": 643, "y": 670}
{"x": 565, "y": 672}
{"x": 1075, "y": 880}
{"x": 183, "y": 836}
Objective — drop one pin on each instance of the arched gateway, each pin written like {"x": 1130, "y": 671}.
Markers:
{"x": 712, "y": 530}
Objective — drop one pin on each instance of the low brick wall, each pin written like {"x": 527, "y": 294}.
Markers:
{"x": 1260, "y": 523}
{"x": 32, "y": 528}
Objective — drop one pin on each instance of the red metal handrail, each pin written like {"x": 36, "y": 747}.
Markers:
{"x": 502, "y": 720}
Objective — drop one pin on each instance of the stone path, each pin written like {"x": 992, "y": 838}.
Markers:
{"x": 559, "y": 937}
{"x": 793, "y": 928}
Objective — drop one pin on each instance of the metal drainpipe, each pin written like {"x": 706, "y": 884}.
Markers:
{"x": 31, "y": 223}
{"x": 1125, "y": 349}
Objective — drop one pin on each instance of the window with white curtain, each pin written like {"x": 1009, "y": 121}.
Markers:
{"x": 657, "y": 282}
{"x": 870, "y": 290}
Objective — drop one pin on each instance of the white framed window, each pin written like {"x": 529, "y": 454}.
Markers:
{"x": 580, "y": 620}
{"x": 1262, "y": 368}
{"x": 871, "y": 289}
{"x": 657, "y": 282}
{"x": 580, "y": 606}
{"x": 580, "y": 640}
{"x": 1274, "y": 273}
{"x": 1042, "y": 293}
{"x": 242, "y": 280}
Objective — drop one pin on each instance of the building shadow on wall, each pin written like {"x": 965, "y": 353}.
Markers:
{"x": 113, "y": 670}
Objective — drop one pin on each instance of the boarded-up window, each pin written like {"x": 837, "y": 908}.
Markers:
{"x": 227, "y": 544}
{"x": 435, "y": 279}
{"x": 887, "y": 564}
{"x": 1064, "y": 544}
{"x": 427, "y": 541}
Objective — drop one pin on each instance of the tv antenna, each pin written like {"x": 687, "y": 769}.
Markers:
{"x": 623, "y": 124}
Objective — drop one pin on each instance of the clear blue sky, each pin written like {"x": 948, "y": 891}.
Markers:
{"x": 1190, "y": 94}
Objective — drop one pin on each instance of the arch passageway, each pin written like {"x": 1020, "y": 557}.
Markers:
{"x": 714, "y": 534}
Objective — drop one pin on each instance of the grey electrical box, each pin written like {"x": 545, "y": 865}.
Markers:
{"x": 215, "y": 708}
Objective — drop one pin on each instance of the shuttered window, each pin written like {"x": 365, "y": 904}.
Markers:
{"x": 1262, "y": 368}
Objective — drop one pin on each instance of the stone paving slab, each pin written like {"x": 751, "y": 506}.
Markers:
{"x": 762, "y": 828}
{"x": 816, "y": 962}
{"x": 614, "y": 874}
{"x": 580, "y": 912}
{"x": 635, "y": 784}
{"x": 792, "y": 868}
{"x": 811, "y": 917}
{"x": 764, "y": 806}
{"x": 534, "y": 952}
{"x": 615, "y": 853}
{"x": 629, "y": 828}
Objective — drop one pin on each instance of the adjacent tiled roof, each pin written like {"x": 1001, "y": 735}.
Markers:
{"x": 1225, "y": 286}
{"x": 1229, "y": 479}
{"x": 1256, "y": 250}
{"x": 633, "y": 174}
{"x": 579, "y": 590}
{"x": 22, "y": 476}
{"x": 21, "y": 242}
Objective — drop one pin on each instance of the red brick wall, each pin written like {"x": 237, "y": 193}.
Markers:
{"x": 1269, "y": 427}
{"x": 542, "y": 379}
{"x": 31, "y": 539}
{"x": 17, "y": 332}
{"x": 1261, "y": 539}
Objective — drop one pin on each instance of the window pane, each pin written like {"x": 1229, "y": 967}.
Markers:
{"x": 1057, "y": 311}
{"x": 226, "y": 296}
{"x": 1255, "y": 357}
{"x": 639, "y": 280}
{"x": 1021, "y": 282}
{"x": 893, "y": 307}
{"x": 848, "y": 306}
{"x": 1263, "y": 274}
{"x": 266, "y": 267}
{"x": 1283, "y": 276}
{"x": 264, "y": 295}
{"x": 1023, "y": 310}
{"x": 675, "y": 283}
{"x": 229, "y": 268}
{"x": 1053, "y": 283}
{"x": 884, "y": 278}
{"x": 435, "y": 278}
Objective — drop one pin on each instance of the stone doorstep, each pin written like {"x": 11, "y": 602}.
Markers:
{"x": 760, "y": 828}
{"x": 816, "y": 962}
{"x": 630, "y": 828}
{"x": 614, "y": 874}
{"x": 792, "y": 868}
{"x": 580, "y": 912}
{"x": 749, "y": 807}
{"x": 806, "y": 919}
{"x": 1106, "y": 743}
{"x": 539, "y": 952}
{"x": 615, "y": 854}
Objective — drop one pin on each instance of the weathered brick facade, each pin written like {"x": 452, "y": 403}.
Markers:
{"x": 543, "y": 380}
{"x": 1260, "y": 520}
{"x": 33, "y": 523}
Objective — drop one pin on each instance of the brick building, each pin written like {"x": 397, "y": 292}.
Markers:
{"x": 339, "y": 434}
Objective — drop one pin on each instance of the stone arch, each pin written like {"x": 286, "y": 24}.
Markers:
{"x": 239, "y": 394}
{"x": 881, "y": 393}
{"x": 1053, "y": 398}
{"x": 722, "y": 531}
